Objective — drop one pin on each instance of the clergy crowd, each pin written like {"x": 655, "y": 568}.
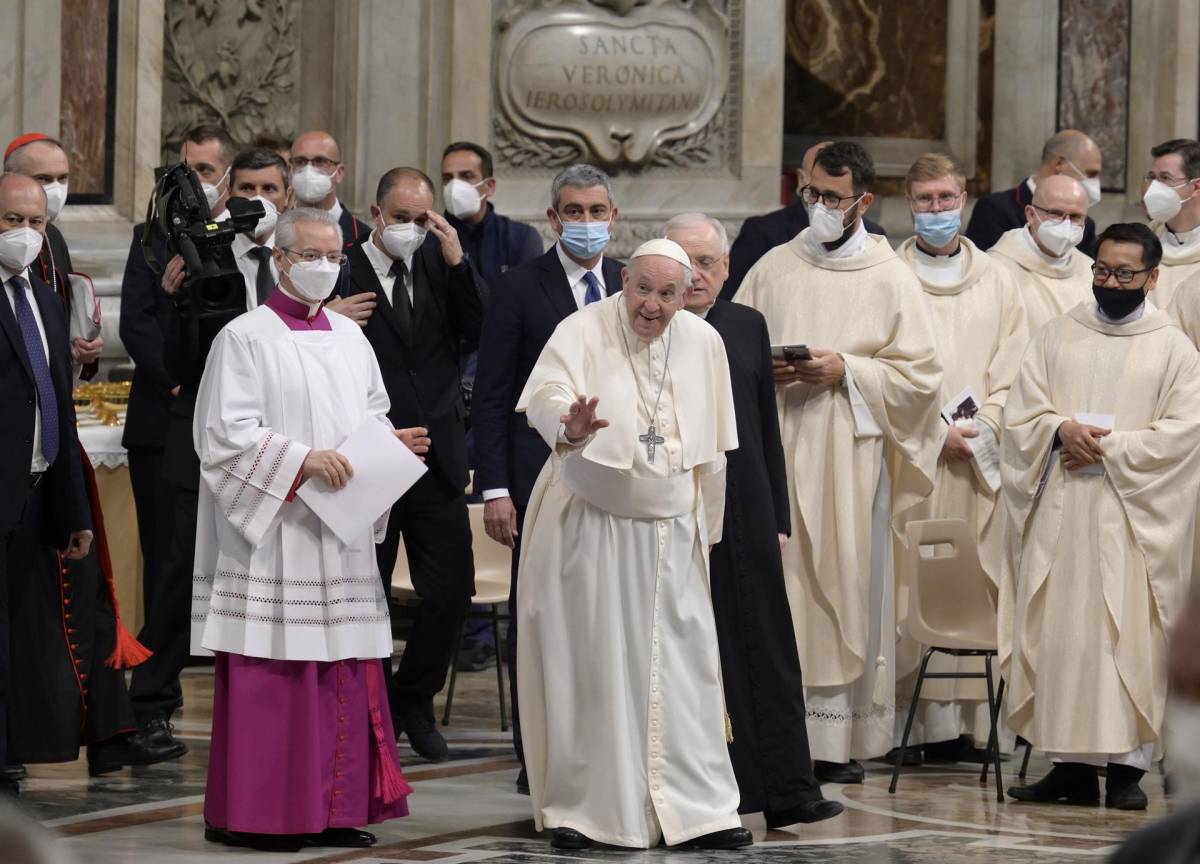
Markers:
{"x": 713, "y": 465}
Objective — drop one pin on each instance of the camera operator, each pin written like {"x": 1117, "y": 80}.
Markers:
{"x": 145, "y": 316}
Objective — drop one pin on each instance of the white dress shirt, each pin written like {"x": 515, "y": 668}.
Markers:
{"x": 382, "y": 264}
{"x": 336, "y": 212}
{"x": 38, "y": 463}
{"x": 248, "y": 265}
{"x": 575, "y": 279}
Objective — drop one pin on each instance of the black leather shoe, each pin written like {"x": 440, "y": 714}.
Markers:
{"x": 416, "y": 720}
{"x": 260, "y": 842}
{"x": 1121, "y": 789}
{"x": 106, "y": 757}
{"x": 15, "y": 773}
{"x": 730, "y": 838}
{"x": 947, "y": 751}
{"x": 342, "y": 838}
{"x": 569, "y": 838}
{"x": 912, "y": 756}
{"x": 805, "y": 811}
{"x": 1067, "y": 782}
{"x": 834, "y": 772}
{"x": 523, "y": 783}
{"x": 157, "y": 736}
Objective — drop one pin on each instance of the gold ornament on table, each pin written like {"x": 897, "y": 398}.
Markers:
{"x": 103, "y": 403}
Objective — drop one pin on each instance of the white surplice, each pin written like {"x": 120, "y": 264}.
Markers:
{"x": 270, "y": 579}
{"x": 622, "y": 712}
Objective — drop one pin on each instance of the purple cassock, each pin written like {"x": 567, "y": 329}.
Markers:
{"x": 301, "y": 746}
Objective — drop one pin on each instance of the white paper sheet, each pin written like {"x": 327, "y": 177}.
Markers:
{"x": 1104, "y": 421}
{"x": 384, "y": 469}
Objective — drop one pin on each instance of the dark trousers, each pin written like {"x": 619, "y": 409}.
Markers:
{"x": 153, "y": 499}
{"x": 18, "y": 548}
{"x": 511, "y": 639}
{"x": 432, "y": 519}
{"x": 155, "y": 688}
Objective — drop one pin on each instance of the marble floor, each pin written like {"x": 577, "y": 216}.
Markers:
{"x": 467, "y": 810}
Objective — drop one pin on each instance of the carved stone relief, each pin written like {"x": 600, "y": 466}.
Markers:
{"x": 229, "y": 62}
{"x": 624, "y": 83}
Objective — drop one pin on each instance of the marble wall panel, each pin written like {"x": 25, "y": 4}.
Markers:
{"x": 1093, "y": 77}
{"x": 87, "y": 100}
{"x": 866, "y": 68}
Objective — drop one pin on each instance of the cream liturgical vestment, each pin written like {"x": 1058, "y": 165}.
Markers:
{"x": 1180, "y": 262}
{"x": 837, "y": 566}
{"x": 979, "y": 324}
{"x": 622, "y": 712}
{"x": 1104, "y": 556}
{"x": 1048, "y": 288}
{"x": 271, "y": 580}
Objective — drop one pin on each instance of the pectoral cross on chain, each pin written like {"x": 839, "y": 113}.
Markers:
{"x": 651, "y": 440}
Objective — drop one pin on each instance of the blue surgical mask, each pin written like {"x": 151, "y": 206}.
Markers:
{"x": 585, "y": 239}
{"x": 938, "y": 229}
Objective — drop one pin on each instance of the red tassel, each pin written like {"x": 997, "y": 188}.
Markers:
{"x": 388, "y": 785}
{"x": 127, "y": 651}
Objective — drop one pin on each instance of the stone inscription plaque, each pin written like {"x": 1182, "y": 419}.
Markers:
{"x": 611, "y": 84}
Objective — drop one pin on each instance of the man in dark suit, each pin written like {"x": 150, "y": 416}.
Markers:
{"x": 1067, "y": 152}
{"x": 764, "y": 690}
{"x": 761, "y": 234}
{"x": 145, "y": 320}
{"x": 44, "y": 159}
{"x": 530, "y": 301}
{"x": 428, "y": 307}
{"x": 44, "y": 502}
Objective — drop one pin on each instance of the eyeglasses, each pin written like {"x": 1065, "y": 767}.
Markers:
{"x": 325, "y": 166}
{"x": 309, "y": 256}
{"x": 706, "y": 263}
{"x": 1124, "y": 274}
{"x": 832, "y": 200}
{"x": 1166, "y": 179}
{"x": 944, "y": 200}
{"x": 1059, "y": 215}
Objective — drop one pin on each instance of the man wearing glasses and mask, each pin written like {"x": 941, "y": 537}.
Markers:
{"x": 1170, "y": 196}
{"x": 317, "y": 174}
{"x": 1100, "y": 470}
{"x": 1052, "y": 274}
{"x": 842, "y": 298}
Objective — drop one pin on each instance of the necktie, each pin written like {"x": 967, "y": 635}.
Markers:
{"x": 401, "y": 302}
{"x": 264, "y": 280}
{"x": 41, "y": 370}
{"x": 593, "y": 288}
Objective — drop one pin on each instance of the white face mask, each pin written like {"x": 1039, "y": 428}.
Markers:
{"x": 1091, "y": 185}
{"x": 56, "y": 197}
{"x": 19, "y": 248}
{"x": 462, "y": 199}
{"x": 312, "y": 281}
{"x": 267, "y": 223}
{"x": 1162, "y": 202}
{"x": 311, "y": 185}
{"x": 827, "y": 225}
{"x": 403, "y": 239}
{"x": 212, "y": 191}
{"x": 1059, "y": 237}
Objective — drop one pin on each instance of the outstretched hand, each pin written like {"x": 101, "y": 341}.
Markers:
{"x": 581, "y": 421}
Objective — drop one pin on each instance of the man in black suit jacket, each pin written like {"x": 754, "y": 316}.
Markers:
{"x": 761, "y": 234}
{"x": 44, "y": 501}
{"x": 1067, "y": 152}
{"x": 529, "y": 301}
{"x": 428, "y": 304}
{"x": 764, "y": 689}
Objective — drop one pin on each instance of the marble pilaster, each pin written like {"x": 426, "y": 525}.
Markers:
{"x": 30, "y": 67}
{"x": 1025, "y": 97}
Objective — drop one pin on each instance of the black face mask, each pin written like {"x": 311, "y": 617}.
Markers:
{"x": 1115, "y": 303}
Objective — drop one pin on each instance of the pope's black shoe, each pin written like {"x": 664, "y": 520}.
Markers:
{"x": 912, "y": 756}
{"x": 523, "y": 782}
{"x": 1121, "y": 789}
{"x": 730, "y": 838}
{"x": 415, "y": 719}
{"x": 835, "y": 772}
{"x": 342, "y": 838}
{"x": 1067, "y": 782}
{"x": 805, "y": 811}
{"x": 260, "y": 842}
{"x": 569, "y": 838}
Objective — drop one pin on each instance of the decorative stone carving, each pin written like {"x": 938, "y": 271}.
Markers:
{"x": 623, "y": 83}
{"x": 232, "y": 63}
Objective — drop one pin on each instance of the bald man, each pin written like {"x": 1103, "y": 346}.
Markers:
{"x": 317, "y": 175}
{"x": 761, "y": 234}
{"x": 1052, "y": 274}
{"x": 1068, "y": 153}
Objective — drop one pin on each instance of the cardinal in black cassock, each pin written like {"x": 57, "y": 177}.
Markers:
{"x": 764, "y": 690}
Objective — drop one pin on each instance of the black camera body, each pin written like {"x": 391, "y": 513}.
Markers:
{"x": 178, "y": 215}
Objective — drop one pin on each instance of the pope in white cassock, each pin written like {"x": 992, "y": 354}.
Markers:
{"x": 1100, "y": 467}
{"x": 621, "y": 701}
{"x": 302, "y": 742}
{"x": 872, "y": 388}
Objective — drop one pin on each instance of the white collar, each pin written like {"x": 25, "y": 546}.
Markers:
{"x": 336, "y": 210}
{"x": 243, "y": 243}
{"x": 853, "y": 247}
{"x": 1031, "y": 244}
{"x": 575, "y": 270}
{"x": 940, "y": 270}
{"x": 1031, "y": 182}
{"x": 1147, "y": 308}
{"x": 1181, "y": 239}
{"x": 313, "y": 308}
{"x": 6, "y": 274}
